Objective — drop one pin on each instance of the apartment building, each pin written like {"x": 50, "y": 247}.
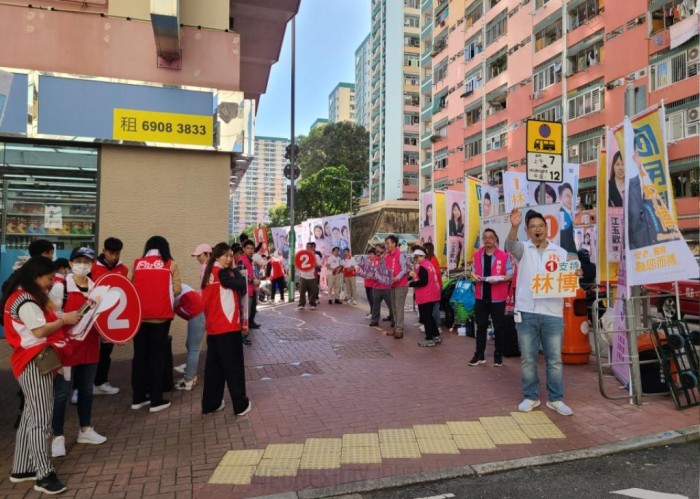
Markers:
{"x": 262, "y": 187}
{"x": 362, "y": 83}
{"x": 496, "y": 63}
{"x": 394, "y": 99}
{"x": 341, "y": 103}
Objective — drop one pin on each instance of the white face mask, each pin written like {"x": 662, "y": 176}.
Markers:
{"x": 81, "y": 269}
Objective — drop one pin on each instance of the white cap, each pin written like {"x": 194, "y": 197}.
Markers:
{"x": 418, "y": 252}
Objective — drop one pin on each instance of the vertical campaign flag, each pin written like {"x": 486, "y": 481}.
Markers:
{"x": 339, "y": 229}
{"x": 260, "y": 236}
{"x": 489, "y": 201}
{"x": 614, "y": 186}
{"x": 655, "y": 250}
{"x": 301, "y": 236}
{"x": 514, "y": 190}
{"x": 427, "y": 218}
{"x": 440, "y": 238}
{"x": 473, "y": 189}
{"x": 456, "y": 215}
{"x": 280, "y": 238}
{"x": 602, "y": 207}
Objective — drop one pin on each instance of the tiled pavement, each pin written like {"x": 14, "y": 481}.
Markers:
{"x": 338, "y": 392}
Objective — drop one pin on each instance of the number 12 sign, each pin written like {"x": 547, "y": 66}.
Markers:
{"x": 121, "y": 322}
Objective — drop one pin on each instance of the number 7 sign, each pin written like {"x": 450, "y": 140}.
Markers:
{"x": 119, "y": 322}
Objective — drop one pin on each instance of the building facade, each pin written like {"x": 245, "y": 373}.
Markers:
{"x": 341, "y": 103}
{"x": 318, "y": 122}
{"x": 496, "y": 63}
{"x": 394, "y": 100}
{"x": 262, "y": 187}
{"x": 362, "y": 83}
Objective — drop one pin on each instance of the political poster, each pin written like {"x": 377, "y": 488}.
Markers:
{"x": 427, "y": 234}
{"x": 614, "y": 187}
{"x": 489, "y": 201}
{"x": 619, "y": 353}
{"x": 440, "y": 239}
{"x": 501, "y": 224}
{"x": 260, "y": 237}
{"x": 558, "y": 281}
{"x": 280, "y": 238}
{"x": 586, "y": 239}
{"x": 338, "y": 231}
{"x": 607, "y": 270}
{"x": 473, "y": 191}
{"x": 514, "y": 190}
{"x": 655, "y": 250}
{"x": 300, "y": 236}
{"x": 367, "y": 269}
{"x": 455, "y": 208}
{"x": 427, "y": 214}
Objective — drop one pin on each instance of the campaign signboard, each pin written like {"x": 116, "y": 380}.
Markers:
{"x": 119, "y": 320}
{"x": 455, "y": 208}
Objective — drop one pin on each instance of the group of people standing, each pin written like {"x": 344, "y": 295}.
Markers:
{"x": 341, "y": 270}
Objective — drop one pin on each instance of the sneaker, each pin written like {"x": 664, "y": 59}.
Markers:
{"x": 421, "y": 328}
{"x": 90, "y": 436}
{"x": 498, "y": 362}
{"x": 23, "y": 477}
{"x": 246, "y": 341}
{"x": 387, "y": 319}
{"x": 300, "y": 307}
{"x": 438, "y": 339}
{"x": 368, "y": 316}
{"x": 353, "y": 302}
{"x": 338, "y": 302}
{"x": 58, "y": 446}
{"x": 527, "y": 405}
{"x": 74, "y": 397}
{"x": 187, "y": 385}
{"x": 246, "y": 410}
{"x": 427, "y": 343}
{"x": 373, "y": 324}
{"x": 180, "y": 369}
{"x": 160, "y": 407}
{"x": 50, "y": 484}
{"x": 560, "y": 407}
{"x": 138, "y": 405}
{"x": 312, "y": 307}
{"x": 106, "y": 389}
{"x": 254, "y": 325}
{"x": 476, "y": 361}
{"x": 220, "y": 408}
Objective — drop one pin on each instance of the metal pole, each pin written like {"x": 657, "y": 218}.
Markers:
{"x": 292, "y": 234}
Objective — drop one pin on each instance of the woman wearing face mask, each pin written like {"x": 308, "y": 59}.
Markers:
{"x": 81, "y": 365}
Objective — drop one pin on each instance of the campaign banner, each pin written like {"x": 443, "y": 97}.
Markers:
{"x": 489, "y": 201}
{"x": 337, "y": 230}
{"x": 473, "y": 192}
{"x": 655, "y": 250}
{"x": 300, "y": 236}
{"x": 260, "y": 236}
{"x": 369, "y": 270}
{"x": 427, "y": 234}
{"x": 440, "y": 238}
{"x": 614, "y": 186}
{"x": 280, "y": 238}
{"x": 619, "y": 346}
{"x": 514, "y": 190}
{"x": 427, "y": 202}
{"x": 501, "y": 224}
{"x": 455, "y": 208}
{"x": 558, "y": 281}
{"x": 586, "y": 239}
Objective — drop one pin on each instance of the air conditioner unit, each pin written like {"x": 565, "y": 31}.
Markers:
{"x": 536, "y": 95}
{"x": 693, "y": 54}
{"x": 478, "y": 77}
{"x": 692, "y": 115}
{"x": 573, "y": 151}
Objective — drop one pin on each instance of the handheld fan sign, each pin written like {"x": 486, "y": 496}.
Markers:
{"x": 118, "y": 315}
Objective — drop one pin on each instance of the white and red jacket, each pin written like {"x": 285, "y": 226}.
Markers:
{"x": 153, "y": 281}
{"x": 99, "y": 269}
{"x": 189, "y": 303}
{"x": 429, "y": 293}
{"x": 222, "y": 311}
{"x": 499, "y": 267}
{"x": 86, "y": 351}
{"x": 24, "y": 344}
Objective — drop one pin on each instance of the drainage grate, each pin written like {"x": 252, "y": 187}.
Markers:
{"x": 359, "y": 350}
{"x": 296, "y": 334}
{"x": 281, "y": 370}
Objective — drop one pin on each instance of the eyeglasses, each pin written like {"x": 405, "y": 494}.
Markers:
{"x": 538, "y": 226}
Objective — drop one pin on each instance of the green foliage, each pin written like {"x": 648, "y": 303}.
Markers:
{"x": 326, "y": 193}
{"x": 343, "y": 143}
{"x": 279, "y": 215}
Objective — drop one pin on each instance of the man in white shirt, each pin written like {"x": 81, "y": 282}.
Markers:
{"x": 308, "y": 285}
{"x": 539, "y": 321}
{"x": 335, "y": 276}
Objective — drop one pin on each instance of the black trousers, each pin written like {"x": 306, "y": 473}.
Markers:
{"x": 425, "y": 312}
{"x": 497, "y": 311}
{"x": 224, "y": 365}
{"x": 276, "y": 284}
{"x": 148, "y": 364}
{"x": 253, "y": 308}
{"x": 104, "y": 364}
{"x": 368, "y": 292}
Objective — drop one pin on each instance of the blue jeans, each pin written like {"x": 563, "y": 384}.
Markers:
{"x": 436, "y": 316}
{"x": 83, "y": 376}
{"x": 547, "y": 330}
{"x": 195, "y": 333}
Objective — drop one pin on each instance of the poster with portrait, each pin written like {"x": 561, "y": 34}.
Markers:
{"x": 489, "y": 201}
{"x": 317, "y": 235}
{"x": 300, "y": 236}
{"x": 280, "y": 238}
{"x": 427, "y": 201}
{"x": 614, "y": 174}
{"x": 473, "y": 191}
{"x": 440, "y": 239}
{"x": 514, "y": 190}
{"x": 501, "y": 224}
{"x": 456, "y": 222}
{"x": 427, "y": 235}
{"x": 338, "y": 231}
{"x": 655, "y": 250}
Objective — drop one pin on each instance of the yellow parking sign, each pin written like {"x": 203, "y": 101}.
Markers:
{"x": 544, "y": 137}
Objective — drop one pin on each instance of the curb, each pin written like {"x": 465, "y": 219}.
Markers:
{"x": 671, "y": 437}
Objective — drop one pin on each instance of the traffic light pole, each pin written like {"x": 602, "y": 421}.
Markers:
{"x": 292, "y": 158}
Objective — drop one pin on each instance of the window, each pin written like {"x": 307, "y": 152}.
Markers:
{"x": 583, "y": 13}
{"x": 410, "y": 119}
{"x": 675, "y": 68}
{"x": 441, "y": 130}
{"x": 411, "y": 41}
{"x": 410, "y": 158}
{"x": 586, "y": 150}
{"x": 410, "y": 179}
{"x": 411, "y": 21}
{"x": 585, "y": 58}
{"x": 685, "y": 183}
{"x": 540, "y": 3}
{"x": 669, "y": 13}
{"x": 473, "y": 116}
{"x": 411, "y": 60}
{"x": 410, "y": 99}
{"x": 548, "y": 35}
{"x": 497, "y": 64}
{"x": 440, "y": 159}
{"x": 410, "y": 79}
{"x": 586, "y": 103}
{"x": 473, "y": 14}
{"x": 410, "y": 140}
{"x": 682, "y": 124}
{"x": 472, "y": 82}
{"x": 473, "y": 48}
{"x": 551, "y": 114}
{"x": 496, "y": 29}
{"x": 439, "y": 46}
{"x": 412, "y": 4}
{"x": 547, "y": 76}
{"x": 472, "y": 146}
{"x": 496, "y": 138}
{"x": 440, "y": 71}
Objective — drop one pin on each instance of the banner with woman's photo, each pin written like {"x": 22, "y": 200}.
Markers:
{"x": 280, "y": 238}
{"x": 426, "y": 229}
{"x": 337, "y": 231}
{"x": 613, "y": 195}
{"x": 455, "y": 208}
{"x": 473, "y": 190}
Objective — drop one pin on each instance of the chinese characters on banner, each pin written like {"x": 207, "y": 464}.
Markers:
{"x": 378, "y": 273}
{"x": 514, "y": 190}
{"x": 456, "y": 214}
{"x": 559, "y": 280}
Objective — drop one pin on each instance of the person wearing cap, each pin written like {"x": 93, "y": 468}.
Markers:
{"x": 81, "y": 364}
{"x": 426, "y": 284}
{"x": 107, "y": 262}
{"x": 202, "y": 253}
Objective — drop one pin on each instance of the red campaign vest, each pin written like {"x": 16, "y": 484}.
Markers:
{"x": 153, "y": 281}
{"x": 276, "y": 269}
{"x": 393, "y": 261}
{"x": 499, "y": 259}
{"x": 99, "y": 269}
{"x": 59, "y": 279}
{"x": 222, "y": 311}
{"x": 431, "y": 292}
{"x": 88, "y": 350}
{"x": 251, "y": 274}
{"x": 24, "y": 344}
{"x": 190, "y": 304}
{"x": 436, "y": 265}
{"x": 349, "y": 271}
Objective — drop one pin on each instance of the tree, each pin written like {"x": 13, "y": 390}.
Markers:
{"x": 279, "y": 215}
{"x": 343, "y": 143}
{"x": 327, "y": 193}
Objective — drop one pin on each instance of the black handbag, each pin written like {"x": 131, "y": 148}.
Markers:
{"x": 47, "y": 360}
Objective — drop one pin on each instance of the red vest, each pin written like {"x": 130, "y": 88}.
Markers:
{"x": 276, "y": 269}
{"x": 393, "y": 261}
{"x": 431, "y": 292}
{"x": 379, "y": 262}
{"x": 436, "y": 264}
{"x": 251, "y": 274}
{"x": 25, "y": 345}
{"x": 99, "y": 269}
{"x": 153, "y": 281}
{"x": 222, "y": 312}
{"x": 189, "y": 303}
{"x": 349, "y": 271}
{"x": 88, "y": 350}
{"x": 499, "y": 259}
{"x": 59, "y": 279}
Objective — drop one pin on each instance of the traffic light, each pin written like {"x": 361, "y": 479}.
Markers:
{"x": 288, "y": 151}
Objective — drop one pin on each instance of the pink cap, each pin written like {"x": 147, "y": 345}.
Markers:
{"x": 202, "y": 248}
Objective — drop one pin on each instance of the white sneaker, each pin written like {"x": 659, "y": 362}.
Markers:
{"x": 527, "y": 405}
{"x": 368, "y": 316}
{"x": 58, "y": 446}
{"x": 560, "y": 407}
{"x": 421, "y": 328}
{"x": 180, "y": 369}
{"x": 246, "y": 410}
{"x": 90, "y": 436}
{"x": 105, "y": 389}
{"x": 74, "y": 397}
{"x": 185, "y": 384}
{"x": 158, "y": 408}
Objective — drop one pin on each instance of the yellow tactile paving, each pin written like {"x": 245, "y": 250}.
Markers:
{"x": 434, "y": 431}
{"x": 321, "y": 454}
{"x": 466, "y": 428}
{"x": 360, "y": 440}
{"x": 283, "y": 451}
{"x": 505, "y": 437}
{"x": 323, "y": 445}
{"x": 474, "y": 441}
{"x": 361, "y": 455}
{"x": 397, "y": 435}
{"x": 537, "y": 431}
{"x": 249, "y": 457}
{"x": 396, "y": 450}
{"x": 534, "y": 417}
{"x": 278, "y": 467}
{"x": 499, "y": 423}
{"x": 437, "y": 446}
{"x": 234, "y": 475}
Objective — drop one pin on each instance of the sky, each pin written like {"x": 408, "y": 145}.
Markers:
{"x": 327, "y": 34}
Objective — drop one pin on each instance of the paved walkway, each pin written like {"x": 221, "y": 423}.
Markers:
{"x": 346, "y": 402}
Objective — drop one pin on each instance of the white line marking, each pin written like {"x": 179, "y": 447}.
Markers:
{"x": 647, "y": 494}
{"x": 442, "y": 496}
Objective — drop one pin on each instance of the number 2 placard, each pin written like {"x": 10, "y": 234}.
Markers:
{"x": 120, "y": 322}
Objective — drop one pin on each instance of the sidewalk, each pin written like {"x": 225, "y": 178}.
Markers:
{"x": 348, "y": 404}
